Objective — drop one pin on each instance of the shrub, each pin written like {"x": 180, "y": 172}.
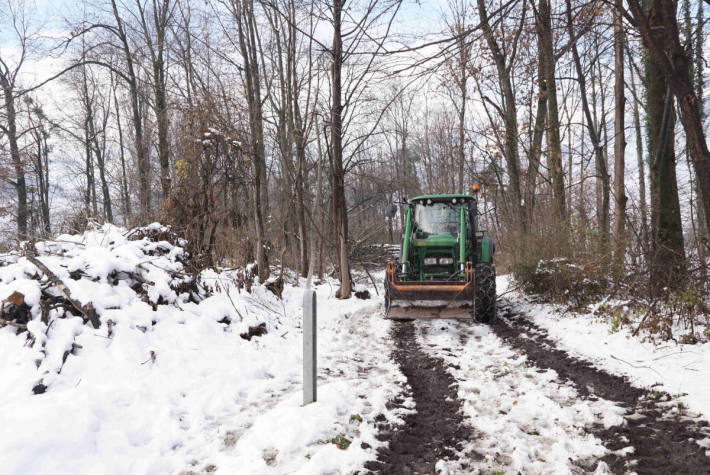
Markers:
{"x": 561, "y": 280}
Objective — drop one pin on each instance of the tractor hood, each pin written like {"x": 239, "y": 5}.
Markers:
{"x": 443, "y": 240}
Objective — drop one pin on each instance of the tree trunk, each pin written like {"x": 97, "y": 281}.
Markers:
{"x": 601, "y": 164}
{"x": 105, "y": 192}
{"x": 142, "y": 154}
{"x": 667, "y": 259}
{"x": 340, "y": 215}
{"x": 88, "y": 170}
{"x": 92, "y": 140}
{"x": 641, "y": 163}
{"x": 303, "y": 234}
{"x": 510, "y": 116}
{"x": 20, "y": 184}
{"x": 161, "y": 17}
{"x": 244, "y": 15}
{"x": 122, "y": 155}
{"x": 619, "y": 141}
{"x": 314, "y": 220}
{"x": 659, "y": 30}
{"x": 463, "y": 90}
{"x": 554, "y": 142}
{"x": 536, "y": 146}
{"x": 161, "y": 113}
{"x": 43, "y": 178}
{"x": 698, "y": 72}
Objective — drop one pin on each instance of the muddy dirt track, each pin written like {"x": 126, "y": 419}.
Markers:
{"x": 662, "y": 443}
{"x": 436, "y": 430}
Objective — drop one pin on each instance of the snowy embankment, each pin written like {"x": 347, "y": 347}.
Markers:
{"x": 166, "y": 383}
{"x": 681, "y": 370}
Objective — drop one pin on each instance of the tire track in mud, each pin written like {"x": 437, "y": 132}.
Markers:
{"x": 661, "y": 443}
{"x": 436, "y": 429}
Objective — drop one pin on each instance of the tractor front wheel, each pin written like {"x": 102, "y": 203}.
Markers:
{"x": 485, "y": 300}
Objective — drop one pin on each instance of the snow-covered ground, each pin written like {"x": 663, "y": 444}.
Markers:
{"x": 166, "y": 385}
{"x": 681, "y": 370}
{"x": 526, "y": 419}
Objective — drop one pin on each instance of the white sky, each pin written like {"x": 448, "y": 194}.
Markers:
{"x": 423, "y": 19}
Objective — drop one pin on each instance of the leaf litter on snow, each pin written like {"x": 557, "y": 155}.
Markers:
{"x": 166, "y": 383}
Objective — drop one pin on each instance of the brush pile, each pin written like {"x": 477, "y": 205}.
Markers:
{"x": 89, "y": 275}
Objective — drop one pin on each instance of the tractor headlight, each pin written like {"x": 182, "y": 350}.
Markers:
{"x": 430, "y": 261}
{"x": 445, "y": 261}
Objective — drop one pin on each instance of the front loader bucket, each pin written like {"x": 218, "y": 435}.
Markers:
{"x": 411, "y": 313}
{"x": 429, "y": 299}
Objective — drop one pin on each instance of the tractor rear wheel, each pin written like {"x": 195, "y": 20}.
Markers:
{"x": 484, "y": 302}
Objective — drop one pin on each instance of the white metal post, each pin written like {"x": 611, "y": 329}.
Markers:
{"x": 309, "y": 346}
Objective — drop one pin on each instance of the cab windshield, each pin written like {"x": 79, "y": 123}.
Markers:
{"x": 436, "y": 219}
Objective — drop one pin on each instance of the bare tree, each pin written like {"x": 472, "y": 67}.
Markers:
{"x": 344, "y": 45}
{"x": 117, "y": 29}
{"x": 459, "y": 68}
{"x": 155, "y": 25}
{"x": 10, "y": 68}
{"x": 594, "y": 133}
{"x": 504, "y": 61}
{"x": 95, "y": 133}
{"x": 39, "y": 129}
{"x": 548, "y": 61}
{"x": 248, "y": 37}
{"x": 660, "y": 33}
{"x": 535, "y": 150}
{"x": 294, "y": 102}
{"x": 125, "y": 196}
{"x": 640, "y": 161}
{"x": 667, "y": 259}
{"x": 619, "y": 140}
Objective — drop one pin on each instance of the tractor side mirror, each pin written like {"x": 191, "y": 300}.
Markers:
{"x": 391, "y": 211}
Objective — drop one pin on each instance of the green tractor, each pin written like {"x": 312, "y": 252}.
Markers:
{"x": 445, "y": 269}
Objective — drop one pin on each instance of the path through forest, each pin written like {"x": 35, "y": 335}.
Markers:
{"x": 503, "y": 397}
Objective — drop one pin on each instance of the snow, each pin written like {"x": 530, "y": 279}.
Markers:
{"x": 164, "y": 387}
{"x": 28, "y": 288}
{"x": 680, "y": 369}
{"x": 167, "y": 384}
{"x": 526, "y": 419}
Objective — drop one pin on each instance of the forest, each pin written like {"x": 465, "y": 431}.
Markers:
{"x": 178, "y": 177}
{"x": 279, "y": 131}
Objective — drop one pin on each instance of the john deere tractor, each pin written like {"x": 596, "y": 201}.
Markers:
{"x": 445, "y": 269}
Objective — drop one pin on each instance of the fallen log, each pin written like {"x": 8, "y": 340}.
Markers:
{"x": 9, "y": 323}
{"x": 87, "y": 310}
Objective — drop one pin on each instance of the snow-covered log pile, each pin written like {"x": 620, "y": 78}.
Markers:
{"x": 103, "y": 278}
{"x": 70, "y": 276}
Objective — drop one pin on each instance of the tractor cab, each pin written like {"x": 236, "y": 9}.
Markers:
{"x": 439, "y": 223}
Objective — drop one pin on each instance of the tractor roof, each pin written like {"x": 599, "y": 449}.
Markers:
{"x": 438, "y": 198}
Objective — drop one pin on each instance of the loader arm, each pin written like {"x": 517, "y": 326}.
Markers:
{"x": 405, "y": 242}
{"x": 462, "y": 239}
